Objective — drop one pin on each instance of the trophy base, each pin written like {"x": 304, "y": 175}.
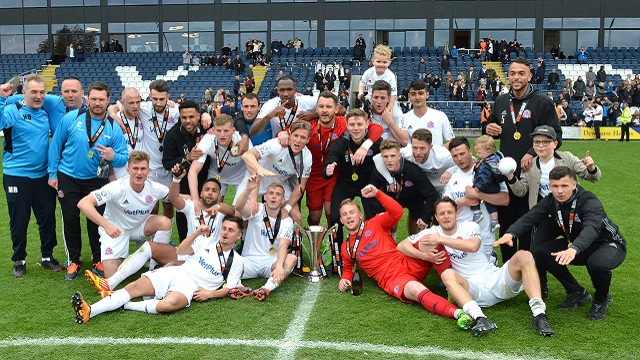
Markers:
{"x": 314, "y": 277}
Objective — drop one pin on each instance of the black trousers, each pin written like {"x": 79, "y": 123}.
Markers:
{"x": 70, "y": 192}
{"x": 600, "y": 258}
{"x": 24, "y": 194}
{"x": 507, "y": 215}
{"x": 596, "y": 127}
{"x": 624, "y": 130}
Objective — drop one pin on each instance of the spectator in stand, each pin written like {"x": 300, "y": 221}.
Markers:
{"x": 567, "y": 110}
{"x": 590, "y": 89}
{"x": 579, "y": 87}
{"x": 486, "y": 111}
{"x": 553, "y": 79}
{"x": 539, "y": 74}
{"x": 359, "y": 48}
{"x": 627, "y": 94}
{"x": 196, "y": 60}
{"x": 472, "y": 78}
{"x": 483, "y": 49}
{"x": 104, "y": 48}
{"x": 186, "y": 59}
{"x": 601, "y": 76}
{"x": 421, "y": 69}
{"x": 590, "y": 76}
{"x": 482, "y": 94}
{"x": 582, "y": 55}
{"x": 435, "y": 84}
{"x": 238, "y": 65}
{"x": 636, "y": 95}
{"x": 568, "y": 87}
{"x": 453, "y": 95}
{"x": 307, "y": 91}
{"x": 462, "y": 92}
{"x": 444, "y": 65}
{"x": 297, "y": 44}
{"x": 345, "y": 80}
{"x": 80, "y": 53}
{"x": 330, "y": 78}
{"x": 249, "y": 85}
{"x": 275, "y": 46}
{"x": 454, "y": 54}
{"x": 319, "y": 80}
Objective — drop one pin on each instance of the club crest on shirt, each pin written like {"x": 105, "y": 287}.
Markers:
{"x": 148, "y": 199}
{"x": 526, "y": 114}
{"x": 367, "y": 233}
{"x": 396, "y": 289}
{"x": 430, "y": 124}
{"x": 408, "y": 183}
{"x": 577, "y": 219}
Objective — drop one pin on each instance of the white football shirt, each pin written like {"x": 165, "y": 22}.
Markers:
{"x": 121, "y": 172}
{"x": 234, "y": 167}
{"x": 370, "y": 77}
{"x": 126, "y": 208}
{"x": 434, "y": 120}
{"x": 150, "y": 143}
{"x": 257, "y": 242}
{"x": 305, "y": 103}
{"x": 205, "y": 270}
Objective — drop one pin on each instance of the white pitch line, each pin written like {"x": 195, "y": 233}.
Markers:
{"x": 421, "y": 351}
{"x": 290, "y": 343}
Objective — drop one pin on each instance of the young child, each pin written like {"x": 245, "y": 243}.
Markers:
{"x": 487, "y": 177}
{"x": 380, "y": 71}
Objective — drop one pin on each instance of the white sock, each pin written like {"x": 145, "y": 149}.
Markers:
{"x": 162, "y": 237}
{"x": 271, "y": 285}
{"x": 148, "y": 306}
{"x": 130, "y": 265}
{"x": 458, "y": 313}
{"x": 110, "y": 303}
{"x": 537, "y": 306}
{"x": 473, "y": 309}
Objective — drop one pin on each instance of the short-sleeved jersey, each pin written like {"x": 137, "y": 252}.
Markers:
{"x": 455, "y": 189}
{"x": 256, "y": 241}
{"x": 370, "y": 77}
{"x": 438, "y": 162}
{"x": 234, "y": 167}
{"x": 125, "y": 208}
{"x": 205, "y": 269}
{"x": 150, "y": 143}
{"x": 193, "y": 220}
{"x": 132, "y": 122}
{"x": 25, "y": 142}
{"x": 468, "y": 264}
{"x": 304, "y": 104}
{"x": 398, "y": 118}
{"x": 277, "y": 159}
{"x": 319, "y": 146}
{"x": 434, "y": 120}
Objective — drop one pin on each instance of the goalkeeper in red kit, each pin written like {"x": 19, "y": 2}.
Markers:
{"x": 370, "y": 246}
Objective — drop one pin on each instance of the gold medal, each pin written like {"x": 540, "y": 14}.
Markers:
{"x": 517, "y": 135}
{"x": 90, "y": 154}
{"x": 272, "y": 250}
{"x": 217, "y": 177}
{"x": 354, "y": 177}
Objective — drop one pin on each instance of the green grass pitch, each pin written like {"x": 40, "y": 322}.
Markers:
{"x": 36, "y": 319}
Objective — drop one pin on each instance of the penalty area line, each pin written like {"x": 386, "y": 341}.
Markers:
{"x": 280, "y": 344}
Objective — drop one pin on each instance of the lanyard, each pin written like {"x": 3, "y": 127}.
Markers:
{"x": 356, "y": 243}
{"x": 323, "y": 149}
{"x": 94, "y": 138}
{"x": 292, "y": 115}
{"x": 161, "y": 130}
{"x": 295, "y": 165}
{"x": 209, "y": 222}
{"x": 220, "y": 163}
{"x": 514, "y": 118}
{"x": 133, "y": 137}
{"x": 225, "y": 265}
{"x": 572, "y": 214}
{"x": 395, "y": 183}
{"x": 267, "y": 223}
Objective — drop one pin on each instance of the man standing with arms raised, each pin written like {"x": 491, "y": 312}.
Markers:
{"x": 513, "y": 118}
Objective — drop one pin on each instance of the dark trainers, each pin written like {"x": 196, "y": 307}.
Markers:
{"x": 575, "y": 299}
{"x": 260, "y": 294}
{"x": 598, "y": 310}
{"x": 73, "y": 269}
{"x": 98, "y": 269}
{"x": 541, "y": 324}
{"x": 239, "y": 292}
{"x": 19, "y": 268}
{"x": 50, "y": 264}
{"x": 483, "y": 325}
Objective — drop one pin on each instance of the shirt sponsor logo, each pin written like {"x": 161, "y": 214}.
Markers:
{"x": 366, "y": 249}
{"x": 458, "y": 256}
{"x": 208, "y": 267}
{"x": 280, "y": 171}
{"x": 137, "y": 212}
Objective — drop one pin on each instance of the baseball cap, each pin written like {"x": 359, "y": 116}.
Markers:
{"x": 545, "y": 130}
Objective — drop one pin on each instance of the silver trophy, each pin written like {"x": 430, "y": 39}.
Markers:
{"x": 315, "y": 236}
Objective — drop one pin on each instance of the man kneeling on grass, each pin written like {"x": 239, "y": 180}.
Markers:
{"x": 202, "y": 276}
{"x": 370, "y": 246}
{"x": 474, "y": 280}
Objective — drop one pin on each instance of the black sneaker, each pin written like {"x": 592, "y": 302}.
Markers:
{"x": 483, "y": 325}
{"x": 575, "y": 299}
{"x": 598, "y": 310}
{"x": 541, "y": 324}
{"x": 19, "y": 268}
{"x": 51, "y": 264}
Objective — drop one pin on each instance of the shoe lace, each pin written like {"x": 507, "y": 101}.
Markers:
{"x": 72, "y": 268}
{"x": 98, "y": 266}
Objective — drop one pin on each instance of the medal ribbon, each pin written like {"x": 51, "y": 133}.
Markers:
{"x": 133, "y": 137}
{"x": 209, "y": 222}
{"x": 356, "y": 243}
{"x": 267, "y": 223}
{"x": 572, "y": 214}
{"x": 225, "y": 265}
{"x": 295, "y": 165}
{"x": 161, "y": 130}
{"x": 323, "y": 149}
{"x": 92, "y": 139}
{"x": 292, "y": 115}
{"x": 220, "y": 163}
{"x": 514, "y": 118}
{"x": 350, "y": 159}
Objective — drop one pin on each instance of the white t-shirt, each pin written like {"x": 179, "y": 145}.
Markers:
{"x": 545, "y": 169}
{"x": 305, "y": 103}
{"x": 234, "y": 167}
{"x": 121, "y": 172}
{"x": 398, "y": 118}
{"x": 370, "y": 77}
{"x": 125, "y": 208}
{"x": 257, "y": 241}
{"x": 468, "y": 264}
{"x": 438, "y": 162}
{"x": 596, "y": 110}
{"x": 193, "y": 221}
{"x": 434, "y": 120}
{"x": 455, "y": 189}
{"x": 150, "y": 143}
{"x": 205, "y": 270}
